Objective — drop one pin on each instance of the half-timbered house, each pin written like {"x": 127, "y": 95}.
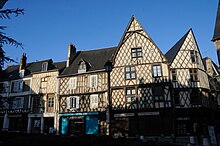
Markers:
{"x": 191, "y": 89}
{"x": 83, "y": 87}
{"x": 140, "y": 85}
{"x": 15, "y": 96}
{"x": 44, "y": 103}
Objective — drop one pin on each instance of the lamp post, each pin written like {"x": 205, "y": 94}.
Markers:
{"x": 108, "y": 67}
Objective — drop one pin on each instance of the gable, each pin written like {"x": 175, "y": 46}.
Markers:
{"x": 136, "y": 37}
{"x": 183, "y": 56}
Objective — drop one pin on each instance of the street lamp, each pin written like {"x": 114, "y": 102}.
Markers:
{"x": 108, "y": 67}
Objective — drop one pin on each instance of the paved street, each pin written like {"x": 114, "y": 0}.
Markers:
{"x": 18, "y": 139}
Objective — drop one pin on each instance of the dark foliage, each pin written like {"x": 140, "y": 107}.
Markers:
{"x": 5, "y": 40}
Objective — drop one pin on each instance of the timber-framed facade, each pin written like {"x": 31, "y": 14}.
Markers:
{"x": 172, "y": 96}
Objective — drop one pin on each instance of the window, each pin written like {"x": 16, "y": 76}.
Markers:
{"x": 36, "y": 102}
{"x": 176, "y": 98}
{"x": 4, "y": 87}
{"x": 194, "y": 97}
{"x": 17, "y": 86}
{"x": 194, "y": 56}
{"x": 44, "y": 66}
{"x": 18, "y": 103}
{"x": 50, "y": 101}
{"x": 158, "y": 93}
{"x": 93, "y": 81}
{"x": 130, "y": 72}
{"x": 94, "y": 101}
{"x": 157, "y": 71}
{"x": 136, "y": 52}
{"x": 26, "y": 85}
{"x": 174, "y": 75}
{"x": 72, "y": 83}
{"x": 73, "y": 102}
{"x": 130, "y": 95}
{"x": 21, "y": 73}
{"x": 82, "y": 67}
{"x": 193, "y": 74}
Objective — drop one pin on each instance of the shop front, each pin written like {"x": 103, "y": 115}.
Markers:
{"x": 79, "y": 123}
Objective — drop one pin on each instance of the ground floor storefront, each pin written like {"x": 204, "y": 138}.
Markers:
{"x": 42, "y": 123}
{"x": 82, "y": 123}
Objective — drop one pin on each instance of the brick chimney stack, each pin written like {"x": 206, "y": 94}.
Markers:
{"x": 71, "y": 54}
{"x": 23, "y": 61}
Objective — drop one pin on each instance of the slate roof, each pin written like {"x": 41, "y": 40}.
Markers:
{"x": 95, "y": 58}
{"x": 213, "y": 63}
{"x": 217, "y": 25}
{"x": 12, "y": 72}
{"x": 171, "y": 54}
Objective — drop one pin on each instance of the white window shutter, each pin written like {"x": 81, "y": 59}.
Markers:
{"x": 93, "y": 81}
{"x": 74, "y": 83}
{"x": 70, "y": 83}
{"x": 68, "y": 102}
{"x": 94, "y": 101}
{"x": 77, "y": 102}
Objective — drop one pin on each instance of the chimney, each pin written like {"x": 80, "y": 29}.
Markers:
{"x": 22, "y": 62}
{"x": 71, "y": 54}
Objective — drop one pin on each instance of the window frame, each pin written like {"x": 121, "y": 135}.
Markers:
{"x": 155, "y": 68}
{"x": 73, "y": 102}
{"x": 44, "y": 66}
{"x": 136, "y": 52}
{"x": 130, "y": 95}
{"x": 82, "y": 67}
{"x": 174, "y": 74}
{"x": 131, "y": 72}
{"x": 94, "y": 101}
{"x": 95, "y": 79}
{"x": 193, "y": 75}
{"x": 17, "y": 86}
{"x": 194, "y": 56}
{"x": 50, "y": 101}
{"x": 73, "y": 83}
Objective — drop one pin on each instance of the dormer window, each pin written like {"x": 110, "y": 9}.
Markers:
{"x": 82, "y": 67}
{"x": 44, "y": 66}
{"x": 21, "y": 73}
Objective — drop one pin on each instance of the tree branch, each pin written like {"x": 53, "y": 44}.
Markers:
{"x": 5, "y": 14}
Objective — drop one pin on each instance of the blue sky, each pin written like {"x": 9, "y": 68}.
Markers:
{"x": 48, "y": 26}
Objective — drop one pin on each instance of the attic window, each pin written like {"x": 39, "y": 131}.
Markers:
{"x": 82, "y": 67}
{"x": 44, "y": 66}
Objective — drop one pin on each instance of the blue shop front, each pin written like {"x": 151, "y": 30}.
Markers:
{"x": 79, "y": 123}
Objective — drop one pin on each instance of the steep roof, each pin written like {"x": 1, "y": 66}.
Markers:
{"x": 12, "y": 72}
{"x": 171, "y": 54}
{"x": 217, "y": 25}
{"x": 95, "y": 58}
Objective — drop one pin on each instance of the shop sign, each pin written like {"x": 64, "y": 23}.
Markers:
{"x": 13, "y": 111}
{"x": 124, "y": 115}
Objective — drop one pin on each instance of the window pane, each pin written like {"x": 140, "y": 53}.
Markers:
{"x": 127, "y": 69}
{"x": 133, "y": 91}
{"x": 128, "y": 76}
{"x": 133, "y": 75}
{"x": 132, "y": 68}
